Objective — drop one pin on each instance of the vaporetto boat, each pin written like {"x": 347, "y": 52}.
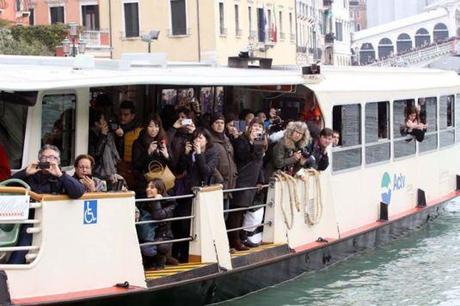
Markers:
{"x": 378, "y": 185}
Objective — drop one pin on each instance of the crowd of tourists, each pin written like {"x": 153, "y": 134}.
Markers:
{"x": 158, "y": 161}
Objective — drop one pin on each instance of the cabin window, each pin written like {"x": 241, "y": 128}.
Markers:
{"x": 429, "y": 116}
{"x": 402, "y": 146}
{"x": 58, "y": 124}
{"x": 377, "y": 132}
{"x": 13, "y": 119}
{"x": 347, "y": 121}
{"x": 178, "y": 17}
{"x": 446, "y": 121}
{"x": 457, "y": 118}
{"x": 131, "y": 14}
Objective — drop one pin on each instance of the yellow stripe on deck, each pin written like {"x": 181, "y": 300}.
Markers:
{"x": 261, "y": 247}
{"x": 172, "y": 270}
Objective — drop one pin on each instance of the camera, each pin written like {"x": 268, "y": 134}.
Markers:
{"x": 187, "y": 121}
{"x": 113, "y": 125}
{"x": 311, "y": 160}
{"x": 43, "y": 165}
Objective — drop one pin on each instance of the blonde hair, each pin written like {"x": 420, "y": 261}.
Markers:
{"x": 300, "y": 127}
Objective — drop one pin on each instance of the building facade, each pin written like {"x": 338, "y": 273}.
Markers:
{"x": 15, "y": 11}
{"x": 310, "y": 32}
{"x": 358, "y": 15}
{"x": 197, "y": 30}
{"x": 338, "y": 27}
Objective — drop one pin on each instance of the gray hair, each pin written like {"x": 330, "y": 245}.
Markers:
{"x": 49, "y": 147}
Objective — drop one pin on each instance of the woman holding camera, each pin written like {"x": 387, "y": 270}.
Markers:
{"x": 199, "y": 161}
{"x": 150, "y": 147}
{"x": 289, "y": 154}
{"x": 249, "y": 152}
{"x": 102, "y": 148}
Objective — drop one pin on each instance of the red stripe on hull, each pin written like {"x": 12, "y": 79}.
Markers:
{"x": 75, "y": 295}
{"x": 376, "y": 224}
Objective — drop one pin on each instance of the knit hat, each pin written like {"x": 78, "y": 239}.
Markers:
{"x": 217, "y": 116}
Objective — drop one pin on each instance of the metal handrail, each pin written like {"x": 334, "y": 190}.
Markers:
{"x": 185, "y": 196}
{"x": 165, "y": 241}
{"x": 269, "y": 223}
{"x": 28, "y": 221}
{"x": 245, "y": 188}
{"x": 248, "y": 208}
{"x": 165, "y": 220}
{"x": 19, "y": 248}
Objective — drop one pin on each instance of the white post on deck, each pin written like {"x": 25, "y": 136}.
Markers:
{"x": 210, "y": 242}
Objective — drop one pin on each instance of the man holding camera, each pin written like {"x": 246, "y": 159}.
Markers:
{"x": 45, "y": 175}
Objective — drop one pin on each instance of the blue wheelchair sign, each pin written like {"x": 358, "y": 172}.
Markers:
{"x": 90, "y": 212}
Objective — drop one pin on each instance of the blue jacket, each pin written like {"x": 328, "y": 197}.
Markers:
{"x": 46, "y": 183}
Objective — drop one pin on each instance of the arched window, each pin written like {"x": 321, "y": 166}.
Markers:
{"x": 404, "y": 43}
{"x": 366, "y": 54}
{"x": 422, "y": 38}
{"x": 440, "y": 32}
{"x": 386, "y": 48}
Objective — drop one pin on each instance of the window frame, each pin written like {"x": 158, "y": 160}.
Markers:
{"x": 57, "y": 6}
{"x": 171, "y": 30}
{"x": 380, "y": 141}
{"x": 123, "y": 19}
{"x": 400, "y": 138}
{"x": 448, "y": 128}
{"x": 98, "y": 15}
{"x": 73, "y": 150}
{"x": 221, "y": 10}
{"x": 341, "y": 148}
{"x": 432, "y": 132}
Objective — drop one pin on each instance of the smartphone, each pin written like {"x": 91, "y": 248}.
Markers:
{"x": 43, "y": 165}
{"x": 187, "y": 121}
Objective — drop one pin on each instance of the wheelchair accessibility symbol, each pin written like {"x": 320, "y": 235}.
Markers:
{"x": 90, "y": 212}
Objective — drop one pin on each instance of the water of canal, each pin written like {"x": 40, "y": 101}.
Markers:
{"x": 421, "y": 268}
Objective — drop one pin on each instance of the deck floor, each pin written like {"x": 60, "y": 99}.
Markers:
{"x": 197, "y": 269}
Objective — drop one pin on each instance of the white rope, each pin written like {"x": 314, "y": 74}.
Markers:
{"x": 312, "y": 211}
{"x": 293, "y": 199}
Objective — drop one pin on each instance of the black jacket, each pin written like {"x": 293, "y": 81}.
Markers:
{"x": 321, "y": 157}
{"x": 46, "y": 183}
{"x": 201, "y": 169}
{"x": 160, "y": 210}
{"x": 249, "y": 160}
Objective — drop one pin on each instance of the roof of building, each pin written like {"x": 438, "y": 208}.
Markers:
{"x": 42, "y": 73}
{"x": 399, "y": 24}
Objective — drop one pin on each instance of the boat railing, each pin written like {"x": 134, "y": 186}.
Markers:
{"x": 169, "y": 198}
{"x": 11, "y": 229}
{"x": 251, "y": 207}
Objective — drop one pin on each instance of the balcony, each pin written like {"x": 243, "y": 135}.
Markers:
{"x": 96, "y": 39}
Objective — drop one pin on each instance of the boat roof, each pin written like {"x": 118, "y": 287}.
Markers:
{"x": 29, "y": 73}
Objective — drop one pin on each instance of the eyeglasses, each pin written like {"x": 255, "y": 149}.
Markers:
{"x": 48, "y": 157}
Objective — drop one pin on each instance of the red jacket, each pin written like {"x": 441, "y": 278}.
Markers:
{"x": 5, "y": 171}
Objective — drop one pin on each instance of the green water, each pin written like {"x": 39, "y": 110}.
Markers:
{"x": 421, "y": 268}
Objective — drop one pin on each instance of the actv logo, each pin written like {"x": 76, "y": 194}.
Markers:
{"x": 391, "y": 184}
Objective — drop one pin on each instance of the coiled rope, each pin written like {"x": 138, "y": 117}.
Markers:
{"x": 293, "y": 197}
{"x": 312, "y": 210}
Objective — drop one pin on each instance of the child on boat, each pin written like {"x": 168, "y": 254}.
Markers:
{"x": 413, "y": 125}
{"x": 156, "y": 256}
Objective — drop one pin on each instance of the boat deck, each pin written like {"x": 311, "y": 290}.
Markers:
{"x": 191, "y": 270}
